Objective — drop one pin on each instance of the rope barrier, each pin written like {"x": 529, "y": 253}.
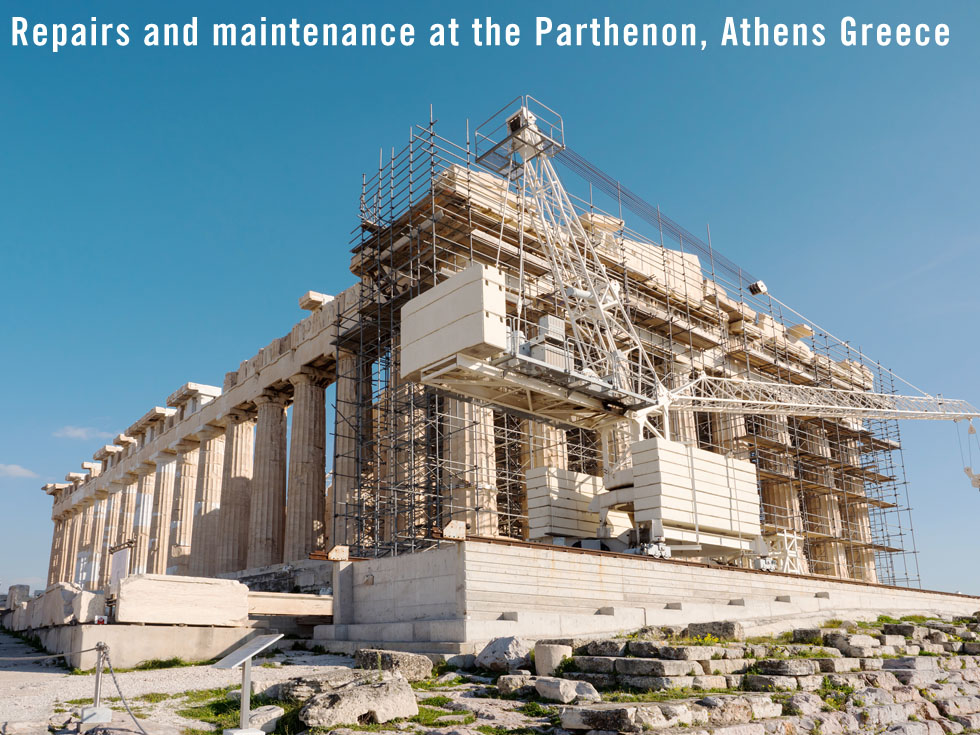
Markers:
{"x": 40, "y": 658}
{"x": 115, "y": 681}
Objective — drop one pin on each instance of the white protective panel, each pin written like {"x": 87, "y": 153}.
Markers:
{"x": 693, "y": 490}
{"x": 465, "y": 314}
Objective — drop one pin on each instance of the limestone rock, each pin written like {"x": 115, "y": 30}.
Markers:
{"x": 265, "y": 718}
{"x": 565, "y": 690}
{"x": 607, "y": 647}
{"x": 727, "y": 710}
{"x": 789, "y": 666}
{"x": 361, "y": 702}
{"x": 23, "y": 728}
{"x": 805, "y": 703}
{"x": 610, "y": 719}
{"x": 547, "y": 658}
{"x": 504, "y": 654}
{"x": 516, "y": 684}
{"x": 726, "y": 630}
{"x": 302, "y": 688}
{"x": 413, "y": 666}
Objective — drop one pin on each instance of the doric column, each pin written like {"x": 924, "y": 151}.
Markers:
{"x": 163, "y": 503}
{"x": 207, "y": 501}
{"x": 470, "y": 477}
{"x": 71, "y": 542}
{"x": 236, "y": 485}
{"x": 267, "y": 511}
{"x": 127, "y": 496}
{"x": 182, "y": 520}
{"x": 83, "y": 547}
{"x": 307, "y": 468}
{"x": 142, "y": 518}
{"x": 54, "y": 560}
{"x": 349, "y": 386}
{"x": 99, "y": 513}
{"x": 111, "y": 531}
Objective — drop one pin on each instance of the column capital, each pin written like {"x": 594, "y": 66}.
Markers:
{"x": 239, "y": 416}
{"x": 185, "y": 445}
{"x": 270, "y": 396}
{"x": 208, "y": 432}
{"x": 163, "y": 457}
{"x": 144, "y": 468}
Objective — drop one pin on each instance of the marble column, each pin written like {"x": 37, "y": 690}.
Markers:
{"x": 207, "y": 502}
{"x": 71, "y": 544}
{"x": 307, "y": 469}
{"x": 142, "y": 518}
{"x": 163, "y": 503}
{"x": 99, "y": 515}
{"x": 267, "y": 511}
{"x": 236, "y": 486}
{"x": 345, "y": 480}
{"x": 111, "y": 530}
{"x": 54, "y": 559}
{"x": 182, "y": 519}
{"x": 83, "y": 553}
{"x": 127, "y": 496}
{"x": 471, "y": 472}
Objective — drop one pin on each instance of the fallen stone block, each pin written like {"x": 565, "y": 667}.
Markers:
{"x": 657, "y": 667}
{"x": 547, "y": 658}
{"x": 302, "y": 688}
{"x": 599, "y": 681}
{"x": 725, "y": 666}
{"x": 880, "y": 716}
{"x": 871, "y": 664}
{"x": 788, "y": 666}
{"x": 595, "y": 664}
{"x": 709, "y": 682}
{"x": 644, "y": 649}
{"x": 770, "y": 683}
{"x": 610, "y": 719}
{"x": 515, "y": 684}
{"x": 265, "y": 718}
{"x": 809, "y": 683}
{"x": 565, "y": 691}
{"x": 172, "y": 600}
{"x": 807, "y": 635}
{"x": 958, "y": 706}
{"x": 504, "y": 654}
{"x": 726, "y": 710}
{"x": 656, "y": 683}
{"x": 726, "y": 630}
{"x": 608, "y": 647}
{"x": 912, "y": 663}
{"x": 413, "y": 666}
{"x": 361, "y": 702}
{"x": 906, "y": 630}
{"x": 804, "y": 703}
{"x": 691, "y": 653}
{"x": 838, "y": 665}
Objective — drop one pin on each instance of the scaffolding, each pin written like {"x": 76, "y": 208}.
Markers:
{"x": 409, "y": 458}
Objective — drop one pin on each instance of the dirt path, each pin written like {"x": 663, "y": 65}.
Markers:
{"x": 32, "y": 690}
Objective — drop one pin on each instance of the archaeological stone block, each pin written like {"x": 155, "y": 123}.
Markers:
{"x": 172, "y": 600}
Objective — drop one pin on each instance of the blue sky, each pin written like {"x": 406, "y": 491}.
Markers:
{"x": 161, "y": 210}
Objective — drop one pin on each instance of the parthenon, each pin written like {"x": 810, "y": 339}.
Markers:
{"x": 467, "y": 391}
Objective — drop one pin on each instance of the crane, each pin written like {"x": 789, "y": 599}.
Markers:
{"x": 605, "y": 343}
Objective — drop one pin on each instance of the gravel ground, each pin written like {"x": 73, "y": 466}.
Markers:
{"x": 32, "y": 691}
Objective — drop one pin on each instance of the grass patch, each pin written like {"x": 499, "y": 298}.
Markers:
{"x": 214, "y": 708}
{"x": 438, "y": 701}
{"x": 153, "y": 697}
{"x": 204, "y": 695}
{"x": 662, "y": 695}
{"x": 536, "y": 709}
{"x": 834, "y": 695}
{"x": 914, "y": 618}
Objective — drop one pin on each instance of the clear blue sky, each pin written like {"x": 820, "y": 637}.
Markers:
{"x": 161, "y": 210}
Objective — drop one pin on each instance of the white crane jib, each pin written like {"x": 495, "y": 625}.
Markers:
{"x": 605, "y": 342}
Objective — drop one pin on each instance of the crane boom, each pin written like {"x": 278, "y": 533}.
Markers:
{"x": 731, "y": 395}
